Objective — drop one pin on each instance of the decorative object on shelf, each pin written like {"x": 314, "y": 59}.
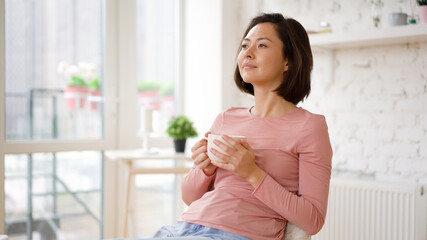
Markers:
{"x": 324, "y": 27}
{"x": 412, "y": 19}
{"x": 149, "y": 94}
{"x": 422, "y": 11}
{"x": 376, "y": 6}
{"x": 398, "y": 18}
{"x": 180, "y": 128}
{"x": 94, "y": 93}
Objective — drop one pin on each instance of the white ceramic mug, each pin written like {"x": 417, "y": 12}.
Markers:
{"x": 211, "y": 144}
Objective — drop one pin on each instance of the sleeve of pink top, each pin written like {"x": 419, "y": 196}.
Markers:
{"x": 307, "y": 209}
{"x": 195, "y": 184}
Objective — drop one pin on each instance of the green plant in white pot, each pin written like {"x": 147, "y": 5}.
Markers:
{"x": 180, "y": 128}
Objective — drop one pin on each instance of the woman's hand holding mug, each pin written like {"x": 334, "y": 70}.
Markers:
{"x": 200, "y": 156}
{"x": 234, "y": 154}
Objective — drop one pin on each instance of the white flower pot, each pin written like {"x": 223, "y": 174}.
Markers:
{"x": 422, "y": 11}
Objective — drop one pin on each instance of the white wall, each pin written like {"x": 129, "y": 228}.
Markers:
{"x": 213, "y": 29}
{"x": 375, "y": 99}
{"x": 202, "y": 54}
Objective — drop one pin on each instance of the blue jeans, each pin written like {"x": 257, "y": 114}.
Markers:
{"x": 187, "y": 231}
{"x": 192, "y": 231}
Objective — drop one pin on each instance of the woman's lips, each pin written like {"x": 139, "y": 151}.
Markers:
{"x": 248, "y": 66}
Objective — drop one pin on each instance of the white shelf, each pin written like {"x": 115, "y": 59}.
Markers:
{"x": 375, "y": 37}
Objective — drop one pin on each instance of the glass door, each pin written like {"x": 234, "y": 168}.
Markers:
{"x": 158, "y": 76}
{"x": 53, "y": 117}
{"x": 72, "y": 77}
{"x": 53, "y": 71}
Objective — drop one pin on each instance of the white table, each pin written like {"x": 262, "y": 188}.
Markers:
{"x": 129, "y": 156}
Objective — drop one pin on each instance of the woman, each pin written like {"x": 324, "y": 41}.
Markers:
{"x": 281, "y": 172}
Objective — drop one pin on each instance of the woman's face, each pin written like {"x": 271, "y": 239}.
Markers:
{"x": 260, "y": 59}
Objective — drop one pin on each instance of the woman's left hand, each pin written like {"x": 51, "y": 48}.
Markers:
{"x": 240, "y": 160}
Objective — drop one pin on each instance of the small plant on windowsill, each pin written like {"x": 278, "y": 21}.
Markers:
{"x": 95, "y": 85}
{"x": 76, "y": 89}
{"x": 180, "y": 128}
{"x": 166, "y": 89}
{"x": 149, "y": 94}
{"x": 95, "y": 93}
{"x": 166, "y": 93}
{"x": 148, "y": 86}
{"x": 75, "y": 92}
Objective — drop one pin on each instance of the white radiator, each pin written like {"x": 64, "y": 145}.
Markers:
{"x": 371, "y": 210}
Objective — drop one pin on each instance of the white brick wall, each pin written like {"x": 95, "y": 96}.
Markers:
{"x": 375, "y": 100}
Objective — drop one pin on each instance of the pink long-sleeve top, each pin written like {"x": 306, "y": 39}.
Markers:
{"x": 295, "y": 152}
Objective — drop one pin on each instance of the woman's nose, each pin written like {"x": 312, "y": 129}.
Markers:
{"x": 249, "y": 54}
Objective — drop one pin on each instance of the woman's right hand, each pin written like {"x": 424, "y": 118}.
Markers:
{"x": 200, "y": 156}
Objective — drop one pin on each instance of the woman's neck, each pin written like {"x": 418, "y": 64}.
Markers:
{"x": 269, "y": 104}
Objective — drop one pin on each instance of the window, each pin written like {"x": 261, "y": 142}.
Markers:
{"x": 157, "y": 37}
{"x": 53, "y": 87}
{"x": 48, "y": 44}
{"x": 58, "y": 196}
{"x": 157, "y": 197}
{"x": 53, "y": 72}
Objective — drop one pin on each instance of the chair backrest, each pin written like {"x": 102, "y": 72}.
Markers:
{"x": 295, "y": 233}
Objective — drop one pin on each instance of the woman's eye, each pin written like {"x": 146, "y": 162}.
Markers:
{"x": 262, "y": 45}
{"x": 244, "y": 46}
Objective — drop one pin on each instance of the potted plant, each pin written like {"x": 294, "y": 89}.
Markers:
{"x": 422, "y": 10}
{"x": 95, "y": 93}
{"x": 149, "y": 94}
{"x": 75, "y": 92}
{"x": 76, "y": 89}
{"x": 180, "y": 128}
{"x": 167, "y": 98}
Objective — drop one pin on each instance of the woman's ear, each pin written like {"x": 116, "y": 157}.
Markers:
{"x": 285, "y": 67}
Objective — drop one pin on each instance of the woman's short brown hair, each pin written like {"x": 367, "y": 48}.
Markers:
{"x": 296, "y": 49}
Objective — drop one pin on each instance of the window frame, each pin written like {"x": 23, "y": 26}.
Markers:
{"x": 109, "y": 140}
{"x": 110, "y": 106}
{"x": 120, "y": 117}
{"x": 2, "y": 117}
